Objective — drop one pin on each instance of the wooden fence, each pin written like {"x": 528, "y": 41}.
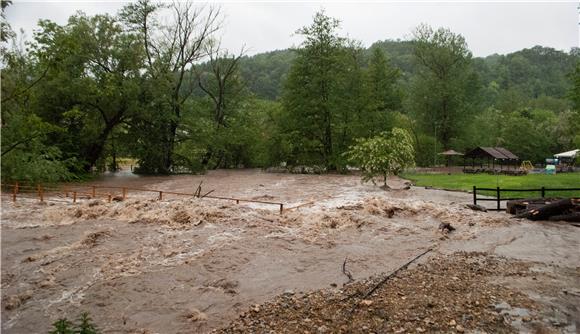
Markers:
{"x": 498, "y": 199}
{"x": 64, "y": 193}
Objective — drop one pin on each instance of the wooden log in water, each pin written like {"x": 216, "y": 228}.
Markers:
{"x": 556, "y": 208}
{"x": 571, "y": 217}
{"x": 518, "y": 206}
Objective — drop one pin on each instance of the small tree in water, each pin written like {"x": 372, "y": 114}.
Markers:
{"x": 62, "y": 326}
{"x": 383, "y": 155}
{"x": 85, "y": 326}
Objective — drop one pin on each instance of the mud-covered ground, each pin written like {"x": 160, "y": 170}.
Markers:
{"x": 197, "y": 265}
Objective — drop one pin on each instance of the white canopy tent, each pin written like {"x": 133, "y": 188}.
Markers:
{"x": 570, "y": 154}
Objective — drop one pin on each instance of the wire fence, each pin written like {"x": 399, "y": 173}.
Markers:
{"x": 75, "y": 194}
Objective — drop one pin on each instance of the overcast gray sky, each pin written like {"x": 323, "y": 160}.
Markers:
{"x": 492, "y": 27}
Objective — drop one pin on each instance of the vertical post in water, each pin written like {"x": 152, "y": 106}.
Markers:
{"x": 543, "y": 191}
{"x": 109, "y": 198}
{"x": 498, "y": 199}
{"x": 124, "y": 193}
{"x": 281, "y": 207}
{"x": 161, "y": 195}
{"x": 94, "y": 191}
{"x": 74, "y": 196}
{"x": 40, "y": 194}
{"x": 474, "y": 195}
{"x": 14, "y": 191}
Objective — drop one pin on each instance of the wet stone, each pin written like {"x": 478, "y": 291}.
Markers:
{"x": 502, "y": 306}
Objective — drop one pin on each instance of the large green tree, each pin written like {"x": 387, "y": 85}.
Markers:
{"x": 323, "y": 95}
{"x": 350, "y": 116}
{"x": 92, "y": 83}
{"x": 310, "y": 97}
{"x": 28, "y": 154}
{"x": 383, "y": 93}
{"x": 171, "y": 50}
{"x": 220, "y": 81}
{"x": 444, "y": 90}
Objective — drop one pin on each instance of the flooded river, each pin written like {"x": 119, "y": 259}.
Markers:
{"x": 186, "y": 265}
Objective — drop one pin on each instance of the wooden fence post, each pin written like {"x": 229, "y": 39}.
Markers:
{"x": 74, "y": 196}
{"x": 94, "y": 191}
{"x": 498, "y": 199}
{"x": 281, "y": 207}
{"x": 14, "y": 192}
{"x": 161, "y": 195}
{"x": 124, "y": 193}
{"x": 474, "y": 195}
{"x": 109, "y": 197}
{"x": 40, "y": 194}
{"x": 543, "y": 191}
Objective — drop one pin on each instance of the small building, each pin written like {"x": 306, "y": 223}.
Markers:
{"x": 491, "y": 160}
{"x": 568, "y": 157}
{"x": 567, "y": 160}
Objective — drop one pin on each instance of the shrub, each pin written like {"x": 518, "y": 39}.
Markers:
{"x": 383, "y": 155}
{"x": 84, "y": 326}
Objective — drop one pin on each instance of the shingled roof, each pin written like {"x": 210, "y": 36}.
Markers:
{"x": 507, "y": 153}
{"x": 493, "y": 152}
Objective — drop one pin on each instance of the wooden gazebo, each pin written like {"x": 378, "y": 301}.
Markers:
{"x": 448, "y": 155}
{"x": 490, "y": 160}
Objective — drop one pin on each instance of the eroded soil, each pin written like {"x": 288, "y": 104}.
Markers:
{"x": 196, "y": 265}
{"x": 449, "y": 293}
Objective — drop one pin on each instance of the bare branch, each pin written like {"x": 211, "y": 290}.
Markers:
{"x": 346, "y": 272}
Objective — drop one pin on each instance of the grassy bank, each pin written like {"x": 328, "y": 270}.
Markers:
{"x": 532, "y": 181}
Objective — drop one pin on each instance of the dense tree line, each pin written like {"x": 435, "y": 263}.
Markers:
{"x": 101, "y": 87}
{"x": 83, "y": 94}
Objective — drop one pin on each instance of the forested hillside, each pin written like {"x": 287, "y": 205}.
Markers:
{"x": 530, "y": 73}
{"x": 103, "y": 87}
{"x": 265, "y": 73}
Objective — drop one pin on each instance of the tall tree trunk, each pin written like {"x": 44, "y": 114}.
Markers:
{"x": 445, "y": 129}
{"x": 328, "y": 141}
{"x": 169, "y": 148}
{"x": 114, "y": 167}
{"x": 207, "y": 157}
{"x": 327, "y": 125}
{"x": 95, "y": 150}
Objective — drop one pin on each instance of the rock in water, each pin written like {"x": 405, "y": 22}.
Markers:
{"x": 475, "y": 207}
{"x": 446, "y": 227}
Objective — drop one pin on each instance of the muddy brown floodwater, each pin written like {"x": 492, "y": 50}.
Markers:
{"x": 187, "y": 265}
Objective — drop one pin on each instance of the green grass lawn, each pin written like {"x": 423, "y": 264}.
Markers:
{"x": 531, "y": 181}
